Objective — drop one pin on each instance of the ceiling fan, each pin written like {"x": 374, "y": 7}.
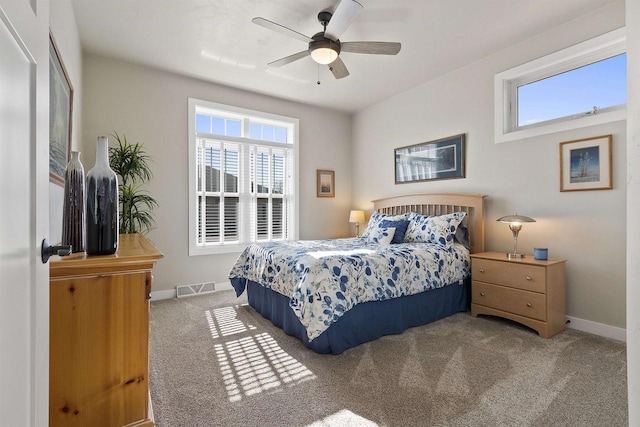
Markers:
{"x": 325, "y": 47}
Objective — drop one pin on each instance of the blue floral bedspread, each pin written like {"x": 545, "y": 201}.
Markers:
{"x": 326, "y": 278}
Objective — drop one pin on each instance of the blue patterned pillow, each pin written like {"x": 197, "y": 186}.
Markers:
{"x": 377, "y": 218}
{"x": 414, "y": 232}
{"x": 434, "y": 229}
{"x": 400, "y": 226}
{"x": 382, "y": 236}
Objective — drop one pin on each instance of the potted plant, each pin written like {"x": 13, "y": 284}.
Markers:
{"x": 131, "y": 164}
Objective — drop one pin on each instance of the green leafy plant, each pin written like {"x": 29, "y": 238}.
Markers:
{"x": 131, "y": 163}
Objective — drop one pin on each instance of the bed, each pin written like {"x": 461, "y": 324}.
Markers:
{"x": 336, "y": 294}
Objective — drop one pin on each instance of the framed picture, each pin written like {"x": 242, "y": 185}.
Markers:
{"x": 441, "y": 159}
{"x": 585, "y": 164}
{"x": 325, "y": 183}
{"x": 60, "y": 115}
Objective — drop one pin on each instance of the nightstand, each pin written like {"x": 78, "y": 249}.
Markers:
{"x": 524, "y": 290}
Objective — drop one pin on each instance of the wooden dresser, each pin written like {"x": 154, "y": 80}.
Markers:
{"x": 524, "y": 290}
{"x": 99, "y": 328}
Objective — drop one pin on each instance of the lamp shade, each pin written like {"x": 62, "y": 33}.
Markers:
{"x": 515, "y": 225}
{"x": 356, "y": 216}
{"x": 510, "y": 219}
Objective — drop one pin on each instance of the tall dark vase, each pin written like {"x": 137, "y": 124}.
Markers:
{"x": 73, "y": 223}
{"x": 102, "y": 204}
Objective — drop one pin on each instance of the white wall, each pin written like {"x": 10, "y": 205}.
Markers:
{"x": 150, "y": 106}
{"x": 633, "y": 201}
{"x": 62, "y": 24}
{"x": 586, "y": 228}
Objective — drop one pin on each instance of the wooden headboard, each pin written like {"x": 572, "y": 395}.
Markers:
{"x": 441, "y": 204}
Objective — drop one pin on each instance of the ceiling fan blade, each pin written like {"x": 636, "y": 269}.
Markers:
{"x": 281, "y": 29}
{"x": 376, "y": 48}
{"x": 288, "y": 59}
{"x": 338, "y": 69}
{"x": 342, "y": 17}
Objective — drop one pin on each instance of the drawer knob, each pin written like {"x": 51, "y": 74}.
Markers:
{"x": 528, "y": 278}
{"x": 482, "y": 270}
{"x": 481, "y": 294}
{"x": 529, "y": 304}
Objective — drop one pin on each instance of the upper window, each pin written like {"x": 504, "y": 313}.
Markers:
{"x": 242, "y": 177}
{"x": 580, "y": 86}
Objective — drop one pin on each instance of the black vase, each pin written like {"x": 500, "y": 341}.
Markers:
{"x": 102, "y": 204}
{"x": 73, "y": 223}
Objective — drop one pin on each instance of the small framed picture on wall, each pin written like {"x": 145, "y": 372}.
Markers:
{"x": 585, "y": 164}
{"x": 325, "y": 183}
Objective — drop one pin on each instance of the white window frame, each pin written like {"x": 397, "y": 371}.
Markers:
{"x": 196, "y": 248}
{"x": 507, "y": 82}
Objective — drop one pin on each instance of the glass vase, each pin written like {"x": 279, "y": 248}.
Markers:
{"x": 102, "y": 204}
{"x": 73, "y": 224}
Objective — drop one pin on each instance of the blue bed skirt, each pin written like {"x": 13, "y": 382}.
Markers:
{"x": 364, "y": 322}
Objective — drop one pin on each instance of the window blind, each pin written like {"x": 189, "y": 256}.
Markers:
{"x": 246, "y": 190}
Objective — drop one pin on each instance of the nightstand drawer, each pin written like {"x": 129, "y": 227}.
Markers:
{"x": 514, "y": 275}
{"x": 524, "y": 303}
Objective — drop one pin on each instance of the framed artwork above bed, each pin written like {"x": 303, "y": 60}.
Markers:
{"x": 427, "y": 161}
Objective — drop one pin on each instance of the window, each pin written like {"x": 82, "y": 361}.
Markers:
{"x": 243, "y": 177}
{"x": 580, "y": 86}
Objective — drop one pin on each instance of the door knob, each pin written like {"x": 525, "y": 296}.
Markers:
{"x": 47, "y": 250}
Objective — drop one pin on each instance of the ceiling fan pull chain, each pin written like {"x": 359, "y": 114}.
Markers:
{"x": 318, "y": 73}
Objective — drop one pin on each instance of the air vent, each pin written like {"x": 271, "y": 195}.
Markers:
{"x": 196, "y": 289}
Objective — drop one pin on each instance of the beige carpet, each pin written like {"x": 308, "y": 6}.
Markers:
{"x": 216, "y": 362}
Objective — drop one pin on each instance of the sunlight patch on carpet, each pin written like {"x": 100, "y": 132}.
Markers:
{"x": 343, "y": 418}
{"x": 253, "y": 363}
{"x": 224, "y": 322}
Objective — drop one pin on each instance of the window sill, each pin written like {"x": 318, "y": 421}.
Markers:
{"x": 216, "y": 250}
{"x": 582, "y": 122}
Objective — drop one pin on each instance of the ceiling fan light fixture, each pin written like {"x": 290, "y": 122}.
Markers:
{"x": 324, "y": 55}
{"x": 323, "y": 50}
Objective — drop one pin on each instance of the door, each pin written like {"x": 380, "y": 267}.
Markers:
{"x": 24, "y": 206}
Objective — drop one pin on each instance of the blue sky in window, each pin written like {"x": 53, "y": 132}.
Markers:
{"x": 203, "y": 123}
{"x": 602, "y": 84}
{"x": 230, "y": 127}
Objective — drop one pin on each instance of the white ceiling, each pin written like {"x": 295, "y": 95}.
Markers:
{"x": 215, "y": 40}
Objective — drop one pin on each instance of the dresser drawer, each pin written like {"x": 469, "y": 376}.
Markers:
{"x": 521, "y": 276}
{"x": 524, "y": 303}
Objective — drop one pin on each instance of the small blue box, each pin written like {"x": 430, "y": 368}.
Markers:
{"x": 540, "y": 254}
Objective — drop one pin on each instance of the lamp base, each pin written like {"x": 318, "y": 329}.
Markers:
{"x": 514, "y": 255}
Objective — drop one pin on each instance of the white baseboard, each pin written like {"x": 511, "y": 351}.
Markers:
{"x": 224, "y": 286}
{"x": 159, "y": 295}
{"x": 171, "y": 293}
{"x": 595, "y": 328}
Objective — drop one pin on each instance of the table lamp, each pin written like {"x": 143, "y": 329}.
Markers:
{"x": 515, "y": 225}
{"x": 357, "y": 217}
